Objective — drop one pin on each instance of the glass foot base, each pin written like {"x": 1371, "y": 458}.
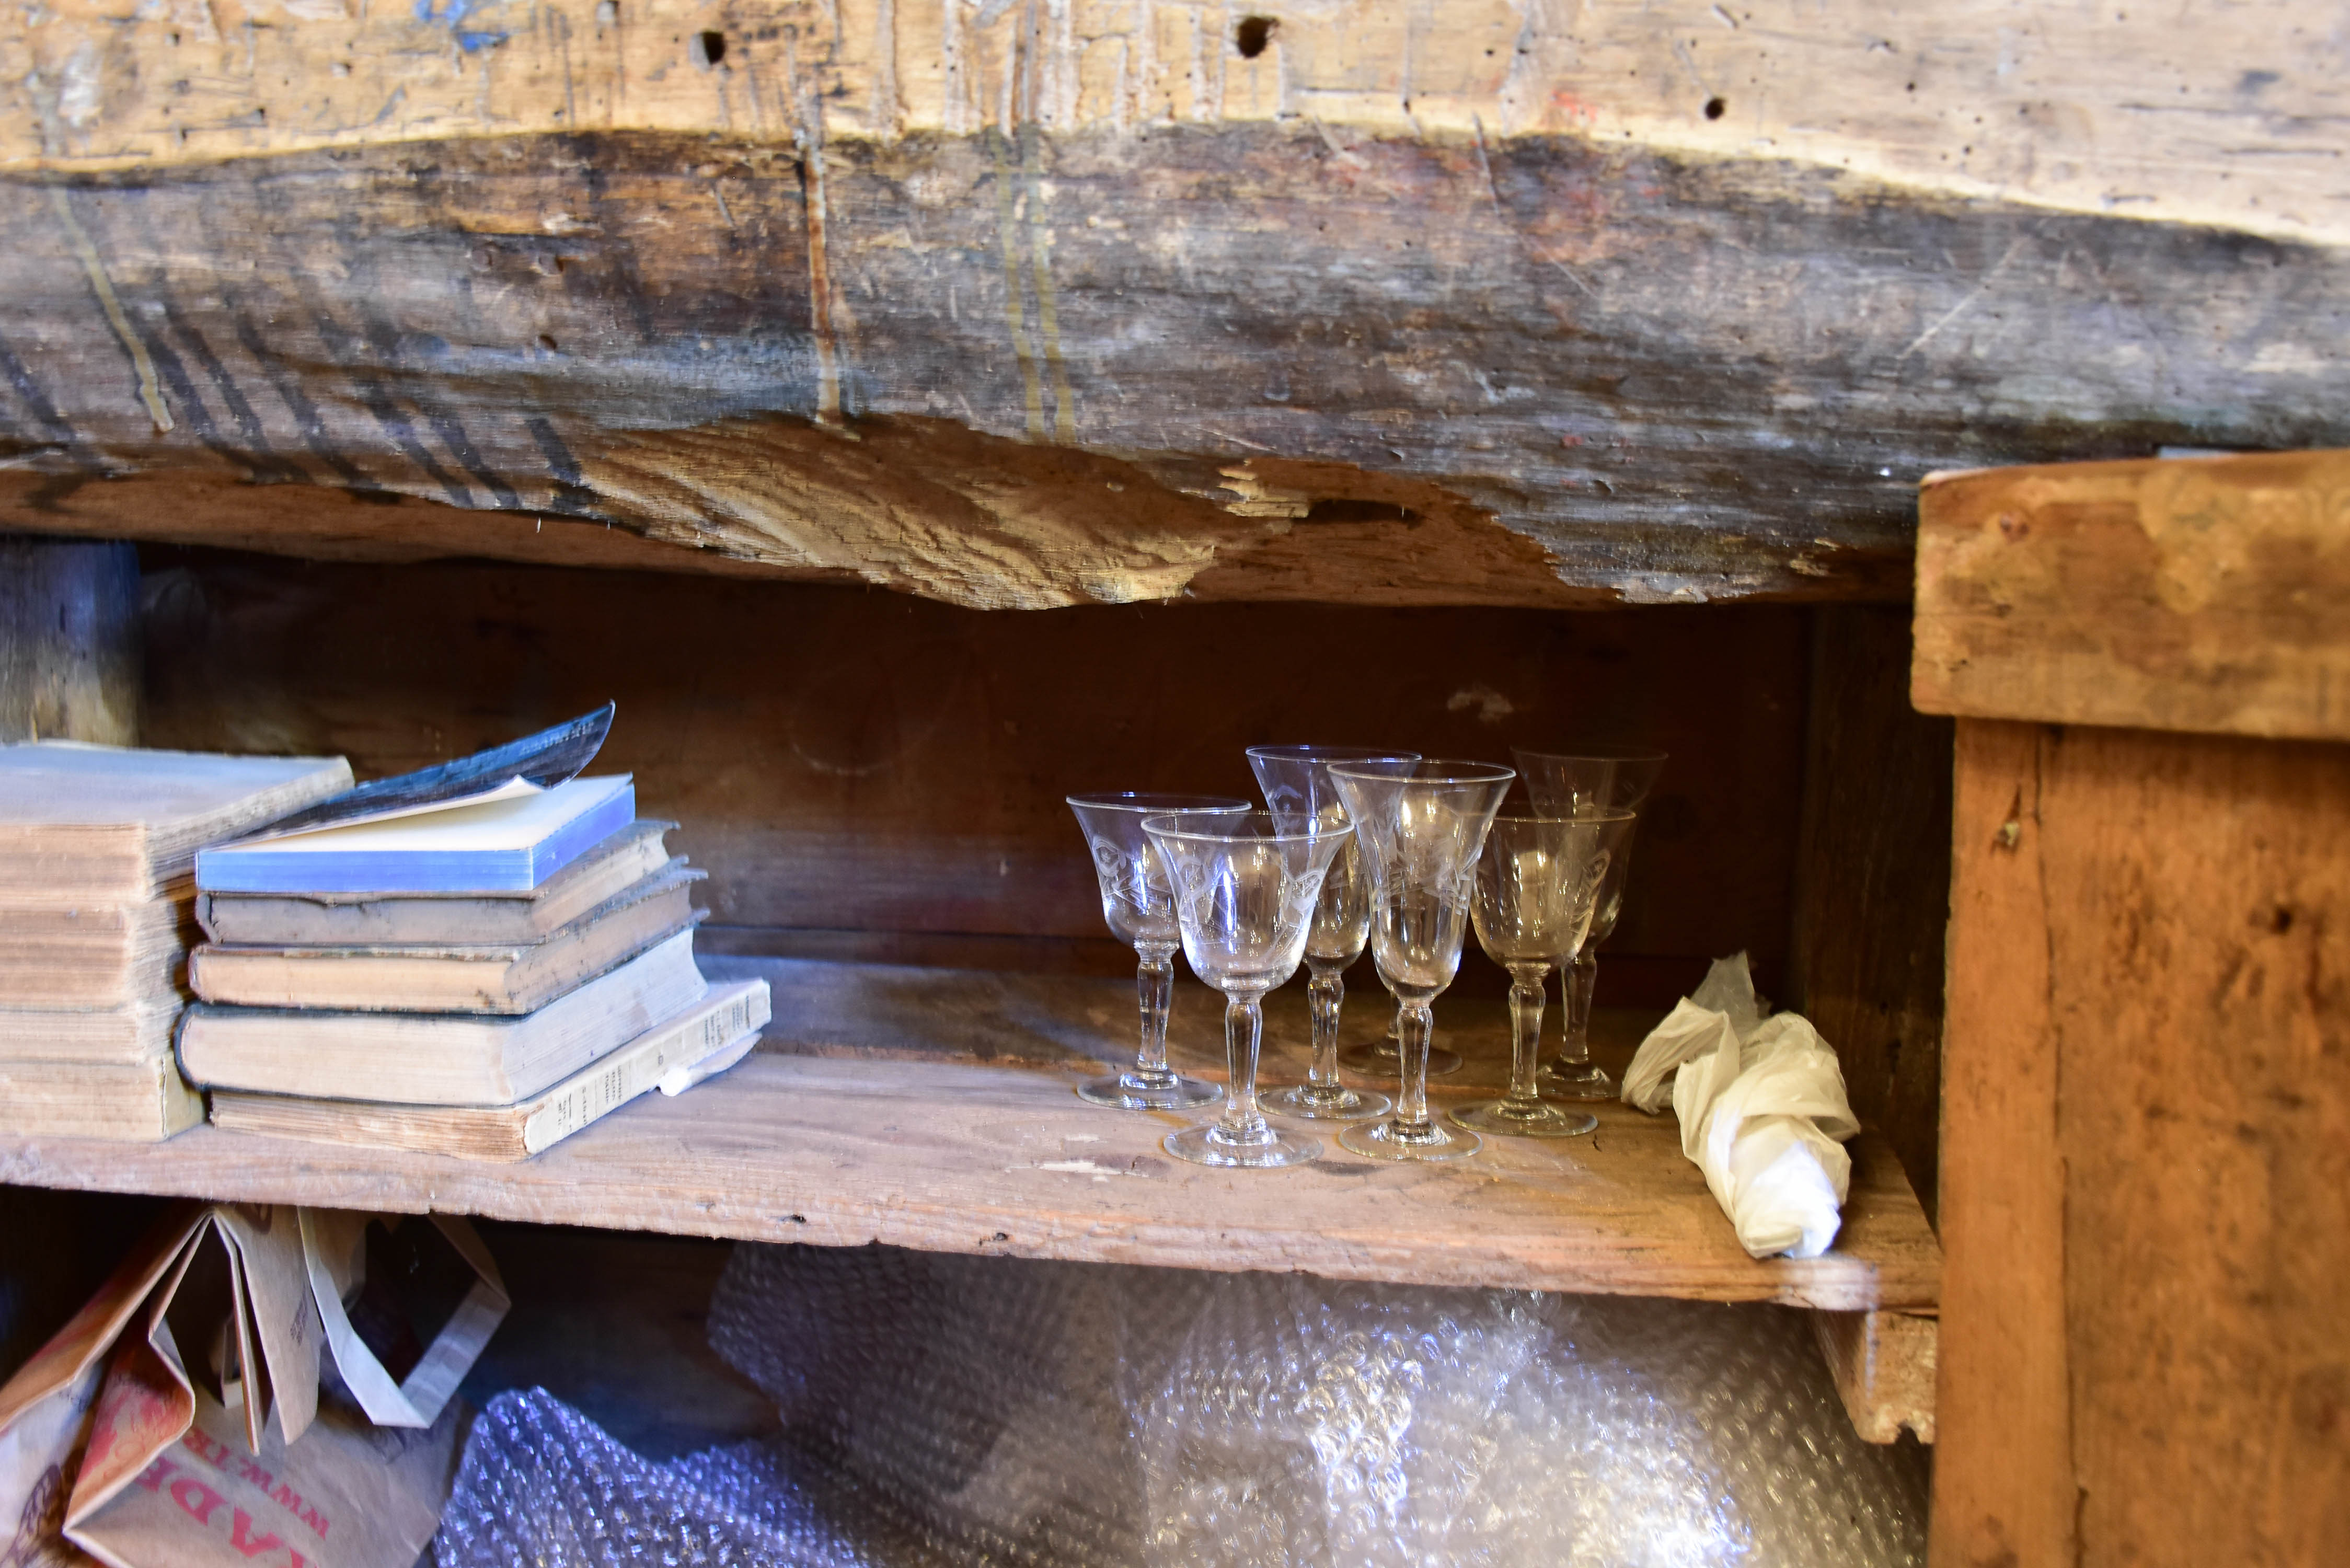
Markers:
{"x": 1330, "y": 1103}
{"x": 1132, "y": 1092}
{"x": 1538, "y": 1119}
{"x": 1383, "y": 1060}
{"x": 1576, "y": 1081}
{"x": 1387, "y": 1139}
{"x": 1212, "y": 1145}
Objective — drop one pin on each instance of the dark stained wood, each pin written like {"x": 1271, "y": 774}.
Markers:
{"x": 68, "y": 641}
{"x": 931, "y": 1129}
{"x": 2205, "y": 594}
{"x": 854, "y": 767}
{"x": 1539, "y": 370}
{"x": 1867, "y": 960}
{"x": 2146, "y": 1194}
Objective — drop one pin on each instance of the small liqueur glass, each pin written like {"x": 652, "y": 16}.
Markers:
{"x": 1593, "y": 778}
{"x": 1138, "y": 904}
{"x": 1420, "y": 834}
{"x": 1537, "y": 883}
{"x": 1297, "y": 783}
{"x": 1246, "y": 887}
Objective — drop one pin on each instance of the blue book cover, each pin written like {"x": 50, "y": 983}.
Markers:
{"x": 508, "y": 844}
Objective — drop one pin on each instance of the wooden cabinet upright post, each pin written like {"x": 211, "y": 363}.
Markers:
{"x": 2146, "y": 1120}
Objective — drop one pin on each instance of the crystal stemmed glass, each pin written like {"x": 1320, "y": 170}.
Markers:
{"x": 1604, "y": 778}
{"x": 1246, "y": 887}
{"x": 1536, "y": 885}
{"x": 1296, "y": 783}
{"x": 1138, "y": 904}
{"x": 1420, "y": 834}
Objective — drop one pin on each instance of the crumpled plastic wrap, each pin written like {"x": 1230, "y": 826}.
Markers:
{"x": 1763, "y": 1110}
{"x": 954, "y": 1411}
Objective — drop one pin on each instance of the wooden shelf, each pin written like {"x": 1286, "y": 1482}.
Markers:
{"x": 932, "y": 1109}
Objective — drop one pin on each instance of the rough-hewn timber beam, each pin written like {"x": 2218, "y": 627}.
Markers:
{"x": 1038, "y": 302}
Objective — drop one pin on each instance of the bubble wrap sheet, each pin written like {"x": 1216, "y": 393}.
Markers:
{"x": 960, "y": 1411}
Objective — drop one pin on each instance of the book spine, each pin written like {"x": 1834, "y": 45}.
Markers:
{"x": 633, "y": 1071}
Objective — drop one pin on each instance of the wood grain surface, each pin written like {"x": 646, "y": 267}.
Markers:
{"x": 1258, "y": 359}
{"x": 1868, "y": 963}
{"x": 854, "y": 767}
{"x": 2207, "y": 115}
{"x": 68, "y": 641}
{"x": 2205, "y": 594}
{"x": 1882, "y": 1363}
{"x": 2145, "y": 1192}
{"x": 957, "y": 1143}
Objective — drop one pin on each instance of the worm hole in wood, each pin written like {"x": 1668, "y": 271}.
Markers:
{"x": 1715, "y": 109}
{"x": 707, "y": 49}
{"x": 1251, "y": 36}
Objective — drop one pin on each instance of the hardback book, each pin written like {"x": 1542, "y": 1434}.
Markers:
{"x": 367, "y": 919}
{"x": 141, "y": 1032}
{"x": 707, "y": 1038}
{"x": 436, "y": 1058}
{"x": 143, "y": 1102}
{"x": 510, "y": 844}
{"x": 117, "y": 825}
{"x": 499, "y": 977}
{"x": 67, "y": 955}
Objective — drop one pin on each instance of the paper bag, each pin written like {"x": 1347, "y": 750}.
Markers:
{"x": 131, "y": 1458}
{"x": 334, "y": 1252}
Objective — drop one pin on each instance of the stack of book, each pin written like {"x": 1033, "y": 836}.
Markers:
{"x": 96, "y": 848}
{"x": 479, "y": 978}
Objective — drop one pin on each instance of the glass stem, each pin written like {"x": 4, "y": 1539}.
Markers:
{"x": 1154, "y": 987}
{"x": 1327, "y": 993}
{"x": 1417, "y": 1021}
{"x": 1527, "y": 999}
{"x": 1243, "y": 1033}
{"x": 1577, "y": 979}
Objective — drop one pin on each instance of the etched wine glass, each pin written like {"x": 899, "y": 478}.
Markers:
{"x": 1139, "y": 906}
{"x": 1420, "y": 834}
{"x": 1537, "y": 883}
{"x": 1246, "y": 887}
{"x": 1296, "y": 783}
{"x": 1601, "y": 778}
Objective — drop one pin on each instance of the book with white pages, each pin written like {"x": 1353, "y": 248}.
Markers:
{"x": 436, "y": 1058}
{"x": 379, "y": 919}
{"x": 133, "y": 1102}
{"x": 510, "y": 844}
{"x": 705, "y": 1039}
{"x": 475, "y": 977}
{"x": 84, "y": 823}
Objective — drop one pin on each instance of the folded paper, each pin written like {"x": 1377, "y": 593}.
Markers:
{"x": 1762, "y": 1111}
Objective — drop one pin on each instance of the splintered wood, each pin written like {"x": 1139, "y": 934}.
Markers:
{"x": 946, "y": 1121}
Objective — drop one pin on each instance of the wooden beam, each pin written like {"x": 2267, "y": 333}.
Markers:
{"x": 68, "y": 641}
{"x": 2210, "y": 116}
{"x": 1241, "y": 360}
{"x": 2203, "y": 594}
{"x": 2145, "y": 1193}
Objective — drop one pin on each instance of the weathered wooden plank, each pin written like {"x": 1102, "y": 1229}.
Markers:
{"x": 1054, "y": 367}
{"x": 950, "y": 1155}
{"x": 2145, "y": 1195}
{"x": 68, "y": 641}
{"x": 2207, "y": 594}
{"x": 1868, "y": 960}
{"x": 849, "y": 762}
{"x": 2227, "y": 116}
{"x": 1884, "y": 1367}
